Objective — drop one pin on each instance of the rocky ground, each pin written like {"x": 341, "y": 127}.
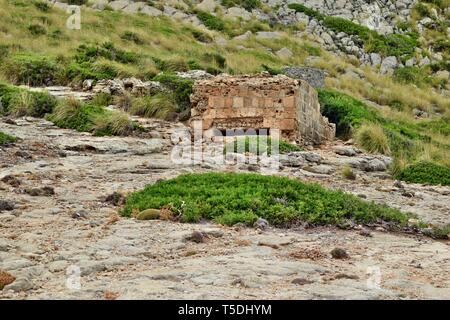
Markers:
{"x": 57, "y": 183}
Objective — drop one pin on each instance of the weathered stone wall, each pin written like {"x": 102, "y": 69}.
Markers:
{"x": 261, "y": 102}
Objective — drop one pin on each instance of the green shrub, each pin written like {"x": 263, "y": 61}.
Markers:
{"x": 20, "y": 102}
{"x": 258, "y": 145}
{"x": 31, "y": 69}
{"x": 425, "y": 173}
{"x": 345, "y": 111}
{"x": 37, "y": 29}
{"x": 42, "y": 6}
{"x": 422, "y": 10}
{"x": 246, "y": 4}
{"x": 73, "y": 114}
{"x": 113, "y": 124}
{"x": 6, "y": 139}
{"x": 159, "y": 106}
{"x": 131, "y": 36}
{"x": 182, "y": 89}
{"x": 229, "y": 198}
{"x": 414, "y": 75}
{"x": 107, "y": 50}
{"x": 210, "y": 21}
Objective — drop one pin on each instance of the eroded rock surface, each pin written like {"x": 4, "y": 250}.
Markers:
{"x": 47, "y": 245}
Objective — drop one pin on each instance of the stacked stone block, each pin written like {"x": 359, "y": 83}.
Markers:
{"x": 261, "y": 102}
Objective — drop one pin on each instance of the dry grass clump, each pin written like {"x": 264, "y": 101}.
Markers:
{"x": 348, "y": 173}
{"x": 372, "y": 138}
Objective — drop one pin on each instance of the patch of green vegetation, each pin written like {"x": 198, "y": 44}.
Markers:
{"x": 346, "y": 112}
{"x": 6, "y": 139}
{"x": 211, "y": 21}
{"x": 72, "y": 114}
{"x": 259, "y": 145}
{"x": 246, "y": 4}
{"x": 404, "y": 139}
{"x": 22, "y": 102}
{"x": 401, "y": 46}
{"x": 182, "y": 89}
{"x": 31, "y": 69}
{"x": 160, "y": 105}
{"x": 425, "y": 173}
{"x": 414, "y": 75}
{"x": 229, "y": 198}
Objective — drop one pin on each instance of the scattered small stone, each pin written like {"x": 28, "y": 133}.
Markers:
{"x": 149, "y": 214}
{"x": 311, "y": 254}
{"x": 20, "y": 284}
{"x": 239, "y": 226}
{"x": 339, "y": 253}
{"x": 40, "y": 192}
{"x": 80, "y": 214}
{"x": 6, "y": 205}
{"x": 196, "y": 236}
{"x": 346, "y": 276}
{"x": 301, "y": 281}
{"x": 116, "y": 198}
{"x": 11, "y": 180}
{"x": 399, "y": 184}
{"x": 5, "y": 279}
{"x": 408, "y": 194}
{"x": 270, "y": 245}
{"x": 365, "y": 233}
{"x": 22, "y": 154}
{"x": 261, "y": 224}
{"x": 109, "y": 295}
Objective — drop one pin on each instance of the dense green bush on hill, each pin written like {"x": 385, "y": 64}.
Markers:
{"x": 87, "y": 117}
{"x": 246, "y": 4}
{"x": 426, "y": 173}
{"x": 345, "y": 111}
{"x": 31, "y": 69}
{"x": 229, "y": 198}
{"x": 210, "y": 21}
{"x": 182, "y": 89}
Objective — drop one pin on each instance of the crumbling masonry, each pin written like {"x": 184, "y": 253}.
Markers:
{"x": 261, "y": 102}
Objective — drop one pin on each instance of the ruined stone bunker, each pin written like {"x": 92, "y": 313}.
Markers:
{"x": 261, "y": 103}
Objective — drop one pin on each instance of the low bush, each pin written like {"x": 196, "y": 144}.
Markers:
{"x": 161, "y": 106}
{"x": 73, "y": 114}
{"x": 6, "y": 139}
{"x": 20, "y": 102}
{"x": 258, "y": 145}
{"x": 414, "y": 75}
{"x": 425, "y": 173}
{"x": 345, "y": 111}
{"x": 246, "y": 4}
{"x": 210, "y": 21}
{"x": 182, "y": 89}
{"x": 229, "y": 198}
{"x": 31, "y": 69}
{"x": 131, "y": 36}
{"x": 371, "y": 137}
